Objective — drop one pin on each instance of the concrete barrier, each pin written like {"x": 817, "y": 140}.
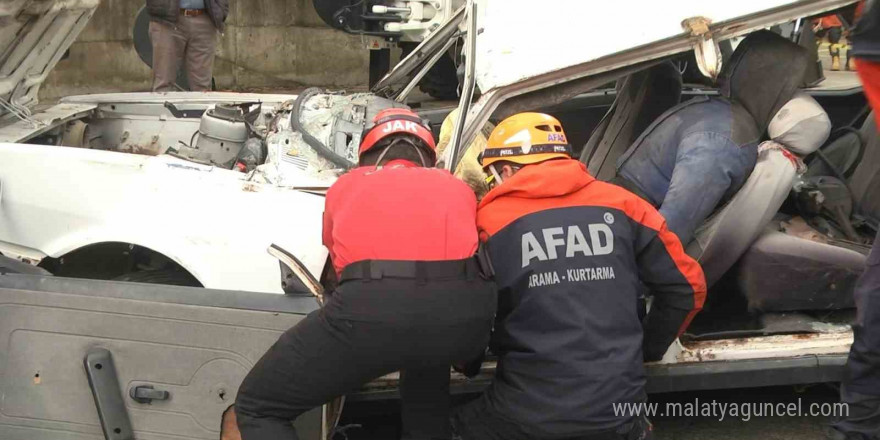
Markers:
{"x": 268, "y": 45}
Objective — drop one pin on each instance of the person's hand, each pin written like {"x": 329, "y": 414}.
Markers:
{"x": 229, "y": 425}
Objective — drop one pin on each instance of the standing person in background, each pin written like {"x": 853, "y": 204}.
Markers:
{"x": 185, "y": 32}
{"x": 860, "y": 390}
{"x": 831, "y": 26}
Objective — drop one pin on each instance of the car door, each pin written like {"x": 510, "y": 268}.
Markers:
{"x": 81, "y": 358}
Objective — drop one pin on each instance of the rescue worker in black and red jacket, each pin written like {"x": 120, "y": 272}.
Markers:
{"x": 569, "y": 253}
{"x": 860, "y": 387}
{"x": 402, "y": 236}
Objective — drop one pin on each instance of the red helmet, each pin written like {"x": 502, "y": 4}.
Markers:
{"x": 393, "y": 121}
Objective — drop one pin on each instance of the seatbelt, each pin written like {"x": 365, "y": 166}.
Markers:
{"x": 632, "y": 149}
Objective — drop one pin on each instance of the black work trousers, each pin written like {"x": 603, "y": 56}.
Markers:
{"x": 477, "y": 420}
{"x": 860, "y": 389}
{"x": 372, "y": 326}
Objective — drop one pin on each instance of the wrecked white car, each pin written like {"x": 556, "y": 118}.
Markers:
{"x": 212, "y": 179}
{"x": 110, "y": 359}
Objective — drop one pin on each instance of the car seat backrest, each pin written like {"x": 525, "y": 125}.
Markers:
{"x": 839, "y": 157}
{"x": 641, "y": 98}
{"x": 865, "y": 180}
{"x": 801, "y": 125}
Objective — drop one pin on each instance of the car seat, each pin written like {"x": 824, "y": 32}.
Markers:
{"x": 641, "y": 98}
{"x": 854, "y": 157}
{"x": 800, "y": 127}
{"x": 783, "y": 272}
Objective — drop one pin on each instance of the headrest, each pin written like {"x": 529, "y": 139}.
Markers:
{"x": 801, "y": 125}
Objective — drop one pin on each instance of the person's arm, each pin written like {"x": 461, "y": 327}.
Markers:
{"x": 327, "y": 233}
{"x": 327, "y": 230}
{"x": 224, "y": 6}
{"x": 706, "y": 165}
{"x": 675, "y": 280}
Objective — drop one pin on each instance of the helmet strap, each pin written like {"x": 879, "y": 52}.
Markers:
{"x": 408, "y": 142}
{"x": 496, "y": 174}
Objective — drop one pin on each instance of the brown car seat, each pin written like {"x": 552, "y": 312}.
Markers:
{"x": 641, "y": 98}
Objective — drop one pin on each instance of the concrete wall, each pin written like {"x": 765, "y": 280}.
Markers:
{"x": 268, "y": 45}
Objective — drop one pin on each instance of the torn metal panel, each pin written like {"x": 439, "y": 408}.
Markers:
{"x": 511, "y": 63}
{"x": 767, "y": 347}
{"x": 724, "y": 355}
{"x": 506, "y": 54}
{"x": 23, "y": 130}
{"x": 33, "y": 37}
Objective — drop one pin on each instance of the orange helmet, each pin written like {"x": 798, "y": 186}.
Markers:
{"x": 526, "y": 138}
{"x": 394, "y": 121}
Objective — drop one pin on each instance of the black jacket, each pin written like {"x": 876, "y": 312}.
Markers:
{"x": 570, "y": 255}
{"x": 866, "y": 36}
{"x": 168, "y": 10}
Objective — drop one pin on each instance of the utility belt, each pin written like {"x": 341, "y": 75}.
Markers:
{"x": 421, "y": 271}
{"x": 628, "y": 185}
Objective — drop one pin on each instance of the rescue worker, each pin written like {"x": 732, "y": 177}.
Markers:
{"x": 699, "y": 153}
{"x": 860, "y": 390}
{"x": 411, "y": 297}
{"x": 832, "y": 27}
{"x": 569, "y": 253}
{"x": 468, "y": 169}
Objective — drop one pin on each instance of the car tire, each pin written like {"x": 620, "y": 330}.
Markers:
{"x": 171, "y": 277}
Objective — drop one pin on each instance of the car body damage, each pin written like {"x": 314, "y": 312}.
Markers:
{"x": 206, "y": 219}
{"x": 210, "y": 221}
{"x": 506, "y": 75}
{"x": 33, "y": 37}
{"x": 503, "y": 49}
{"x": 510, "y": 79}
{"x": 163, "y": 173}
{"x": 206, "y": 183}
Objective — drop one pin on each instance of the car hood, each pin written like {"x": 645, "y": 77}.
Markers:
{"x": 34, "y": 36}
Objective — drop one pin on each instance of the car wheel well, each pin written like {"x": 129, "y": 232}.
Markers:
{"x": 110, "y": 260}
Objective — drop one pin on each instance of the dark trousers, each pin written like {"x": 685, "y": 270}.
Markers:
{"x": 861, "y": 386}
{"x": 367, "y": 329}
{"x": 478, "y": 421}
